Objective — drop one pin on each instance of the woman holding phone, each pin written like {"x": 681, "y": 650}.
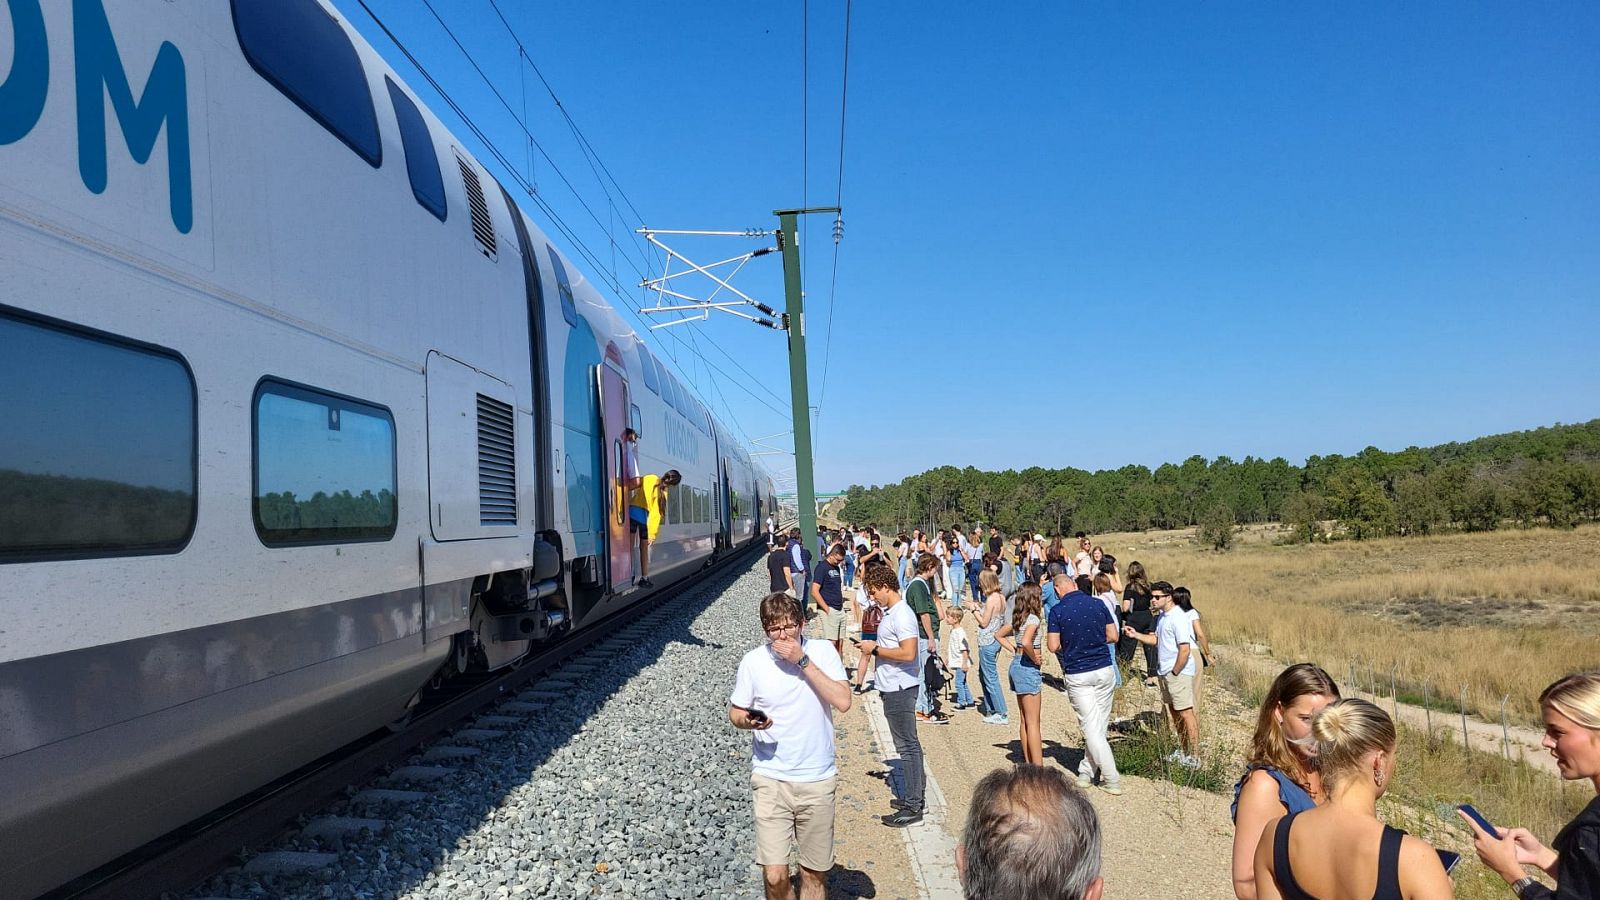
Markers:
{"x": 1341, "y": 848}
{"x": 1571, "y": 711}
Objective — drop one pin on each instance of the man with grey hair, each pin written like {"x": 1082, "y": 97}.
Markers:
{"x": 1031, "y": 834}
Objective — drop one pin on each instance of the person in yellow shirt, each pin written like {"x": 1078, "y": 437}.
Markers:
{"x": 646, "y": 506}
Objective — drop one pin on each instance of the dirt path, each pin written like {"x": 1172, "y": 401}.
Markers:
{"x": 1520, "y": 742}
{"x": 1165, "y": 840}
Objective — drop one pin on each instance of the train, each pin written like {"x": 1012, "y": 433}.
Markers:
{"x": 302, "y": 414}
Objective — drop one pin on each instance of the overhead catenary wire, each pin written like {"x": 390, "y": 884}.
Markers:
{"x": 578, "y": 244}
{"x": 591, "y": 156}
{"x": 489, "y": 82}
{"x": 838, "y": 201}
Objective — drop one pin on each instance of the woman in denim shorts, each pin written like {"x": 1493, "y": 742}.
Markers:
{"x": 1025, "y": 632}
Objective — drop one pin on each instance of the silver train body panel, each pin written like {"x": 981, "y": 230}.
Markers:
{"x": 177, "y": 198}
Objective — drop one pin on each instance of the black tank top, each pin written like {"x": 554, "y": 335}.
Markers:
{"x": 1388, "y": 863}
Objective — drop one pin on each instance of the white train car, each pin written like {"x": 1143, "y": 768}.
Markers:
{"x": 301, "y": 413}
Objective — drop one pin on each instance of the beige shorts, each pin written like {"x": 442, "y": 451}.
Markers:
{"x": 831, "y": 624}
{"x": 1178, "y": 691}
{"x": 797, "y": 813}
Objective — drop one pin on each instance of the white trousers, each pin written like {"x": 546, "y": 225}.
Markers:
{"x": 1090, "y": 695}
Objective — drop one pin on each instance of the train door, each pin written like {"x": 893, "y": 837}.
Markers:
{"x": 725, "y": 506}
{"x": 613, "y": 382}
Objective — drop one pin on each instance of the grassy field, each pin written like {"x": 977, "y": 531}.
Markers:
{"x": 1498, "y": 614}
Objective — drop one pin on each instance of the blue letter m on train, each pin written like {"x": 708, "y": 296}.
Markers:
{"x": 98, "y": 70}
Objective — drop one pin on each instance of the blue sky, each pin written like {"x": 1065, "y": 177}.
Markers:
{"x": 1089, "y": 235}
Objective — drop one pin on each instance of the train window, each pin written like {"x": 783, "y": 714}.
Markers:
{"x": 667, "y": 393}
{"x": 569, "y": 309}
{"x": 680, "y": 397}
{"x": 324, "y": 468}
{"x": 635, "y": 420}
{"x": 422, "y": 162}
{"x": 648, "y": 368}
{"x": 661, "y": 372}
{"x": 99, "y": 456}
{"x": 675, "y": 504}
{"x": 305, "y": 53}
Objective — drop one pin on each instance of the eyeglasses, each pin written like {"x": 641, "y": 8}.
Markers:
{"x": 779, "y": 629}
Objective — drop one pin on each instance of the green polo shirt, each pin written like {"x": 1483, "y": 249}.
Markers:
{"x": 921, "y": 600}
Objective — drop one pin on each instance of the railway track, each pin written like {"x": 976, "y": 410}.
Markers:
{"x": 184, "y": 858}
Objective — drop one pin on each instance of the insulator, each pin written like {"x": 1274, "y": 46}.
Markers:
{"x": 838, "y": 228}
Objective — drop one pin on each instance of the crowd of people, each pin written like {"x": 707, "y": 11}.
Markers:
{"x": 1304, "y": 809}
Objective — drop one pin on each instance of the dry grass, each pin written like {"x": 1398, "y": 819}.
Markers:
{"x": 1500, "y": 614}
{"x": 1435, "y": 774}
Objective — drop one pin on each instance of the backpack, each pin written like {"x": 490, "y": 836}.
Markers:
{"x": 871, "y": 619}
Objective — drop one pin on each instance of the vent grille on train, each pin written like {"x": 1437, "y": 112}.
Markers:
{"x": 482, "y": 225}
{"x": 497, "y": 463}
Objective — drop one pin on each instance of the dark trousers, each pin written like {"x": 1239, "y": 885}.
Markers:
{"x": 900, "y": 709}
{"x": 974, "y": 568}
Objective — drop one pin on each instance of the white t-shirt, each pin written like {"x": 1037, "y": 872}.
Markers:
{"x": 958, "y": 646}
{"x": 899, "y": 624}
{"x": 630, "y": 460}
{"x": 1085, "y": 564}
{"x": 1172, "y": 629}
{"x": 799, "y": 745}
{"x": 1109, "y": 598}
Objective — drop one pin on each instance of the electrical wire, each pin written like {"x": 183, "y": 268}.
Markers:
{"x": 838, "y": 201}
{"x": 576, "y": 242}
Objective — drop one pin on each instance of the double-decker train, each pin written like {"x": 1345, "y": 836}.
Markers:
{"x": 299, "y": 412}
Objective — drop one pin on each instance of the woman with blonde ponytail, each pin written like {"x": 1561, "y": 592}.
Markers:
{"x": 1571, "y": 710}
{"x": 1340, "y": 850}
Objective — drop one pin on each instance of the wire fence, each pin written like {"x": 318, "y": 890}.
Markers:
{"x": 1440, "y": 712}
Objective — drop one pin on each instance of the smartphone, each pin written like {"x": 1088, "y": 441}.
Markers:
{"x": 1449, "y": 859}
{"x": 1476, "y": 816}
{"x": 756, "y": 715}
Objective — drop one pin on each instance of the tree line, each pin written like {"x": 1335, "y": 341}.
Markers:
{"x": 1546, "y": 476}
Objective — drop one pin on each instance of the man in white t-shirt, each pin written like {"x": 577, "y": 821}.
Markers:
{"x": 786, "y": 692}
{"x": 898, "y": 676}
{"x": 1175, "y": 657}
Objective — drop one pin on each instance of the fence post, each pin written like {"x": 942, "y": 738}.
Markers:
{"x": 1394, "y": 692}
{"x": 1505, "y": 727}
{"x": 1466, "y": 743}
{"x": 1427, "y": 710}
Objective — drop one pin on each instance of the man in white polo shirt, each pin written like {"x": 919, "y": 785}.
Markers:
{"x": 1175, "y": 652}
{"x": 786, "y": 692}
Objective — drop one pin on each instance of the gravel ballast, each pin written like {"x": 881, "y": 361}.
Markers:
{"x": 616, "y": 775}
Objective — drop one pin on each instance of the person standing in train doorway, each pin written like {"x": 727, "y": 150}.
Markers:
{"x": 645, "y": 506}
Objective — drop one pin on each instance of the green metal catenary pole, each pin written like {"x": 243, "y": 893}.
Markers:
{"x": 799, "y": 391}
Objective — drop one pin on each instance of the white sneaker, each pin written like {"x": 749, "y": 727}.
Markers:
{"x": 1190, "y": 762}
{"x": 1176, "y": 756}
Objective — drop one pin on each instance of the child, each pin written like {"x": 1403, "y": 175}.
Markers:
{"x": 960, "y": 657}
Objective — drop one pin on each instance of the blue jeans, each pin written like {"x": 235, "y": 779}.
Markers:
{"x": 974, "y": 567}
{"x": 963, "y": 696}
{"x": 958, "y": 578}
{"x": 994, "y": 699}
{"x": 927, "y": 701}
{"x": 900, "y": 572}
{"x": 849, "y": 571}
